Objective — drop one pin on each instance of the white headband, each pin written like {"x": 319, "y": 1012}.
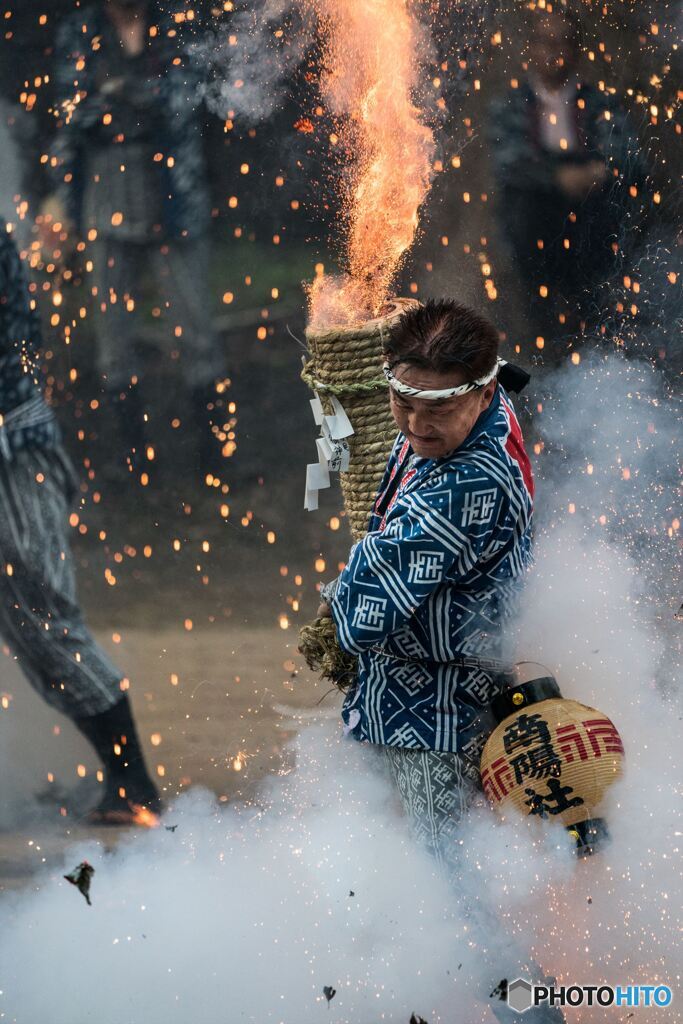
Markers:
{"x": 461, "y": 389}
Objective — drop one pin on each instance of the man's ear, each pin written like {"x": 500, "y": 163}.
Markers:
{"x": 487, "y": 394}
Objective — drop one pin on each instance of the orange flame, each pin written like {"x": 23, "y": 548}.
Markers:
{"x": 370, "y": 57}
{"x": 144, "y": 817}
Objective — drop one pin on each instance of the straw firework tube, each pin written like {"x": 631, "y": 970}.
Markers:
{"x": 346, "y": 362}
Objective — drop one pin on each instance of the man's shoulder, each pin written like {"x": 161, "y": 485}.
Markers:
{"x": 468, "y": 470}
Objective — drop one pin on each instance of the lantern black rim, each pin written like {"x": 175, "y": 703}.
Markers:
{"x": 524, "y": 695}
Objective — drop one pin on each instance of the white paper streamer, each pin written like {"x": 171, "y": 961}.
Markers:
{"x": 333, "y": 450}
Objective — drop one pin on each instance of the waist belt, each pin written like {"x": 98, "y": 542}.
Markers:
{"x": 465, "y": 660}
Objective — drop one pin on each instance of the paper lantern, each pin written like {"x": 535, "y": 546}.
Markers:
{"x": 551, "y": 758}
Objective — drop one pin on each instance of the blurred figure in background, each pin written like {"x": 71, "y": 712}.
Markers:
{"x": 564, "y": 156}
{"x": 40, "y": 617}
{"x": 130, "y": 178}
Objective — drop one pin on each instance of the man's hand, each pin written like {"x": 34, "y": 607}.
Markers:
{"x": 576, "y": 180}
{"x": 324, "y": 611}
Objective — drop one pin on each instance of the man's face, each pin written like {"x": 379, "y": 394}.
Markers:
{"x": 553, "y": 52}
{"x": 436, "y": 427}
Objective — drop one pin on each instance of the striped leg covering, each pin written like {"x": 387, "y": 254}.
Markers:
{"x": 40, "y": 618}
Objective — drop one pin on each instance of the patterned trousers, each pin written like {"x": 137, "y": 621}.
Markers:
{"x": 436, "y": 791}
{"x": 179, "y": 271}
{"x": 40, "y": 618}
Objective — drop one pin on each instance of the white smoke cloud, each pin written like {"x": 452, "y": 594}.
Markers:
{"x": 248, "y": 63}
{"x": 248, "y": 915}
{"x": 600, "y": 611}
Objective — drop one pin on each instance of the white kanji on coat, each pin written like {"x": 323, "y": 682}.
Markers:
{"x": 478, "y": 507}
{"x": 369, "y": 612}
{"x": 425, "y": 566}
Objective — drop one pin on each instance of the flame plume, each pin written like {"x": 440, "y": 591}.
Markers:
{"x": 371, "y": 70}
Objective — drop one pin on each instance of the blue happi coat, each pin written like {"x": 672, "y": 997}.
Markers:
{"x": 447, "y": 548}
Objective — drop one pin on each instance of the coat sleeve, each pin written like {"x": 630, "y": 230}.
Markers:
{"x": 433, "y": 534}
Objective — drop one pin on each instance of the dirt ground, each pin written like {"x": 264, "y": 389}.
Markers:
{"x": 214, "y": 709}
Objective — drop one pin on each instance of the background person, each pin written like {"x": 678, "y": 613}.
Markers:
{"x": 563, "y": 154}
{"x": 40, "y": 617}
{"x": 130, "y": 175}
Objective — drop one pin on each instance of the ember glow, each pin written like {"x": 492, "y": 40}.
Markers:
{"x": 144, "y": 817}
{"x": 371, "y": 62}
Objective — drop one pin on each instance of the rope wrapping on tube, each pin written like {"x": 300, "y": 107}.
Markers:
{"x": 345, "y": 362}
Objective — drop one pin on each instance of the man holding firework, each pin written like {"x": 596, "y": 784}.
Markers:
{"x": 424, "y": 597}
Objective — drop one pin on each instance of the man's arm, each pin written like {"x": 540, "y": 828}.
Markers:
{"x": 431, "y": 534}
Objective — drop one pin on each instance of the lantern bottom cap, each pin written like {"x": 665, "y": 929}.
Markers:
{"x": 590, "y": 835}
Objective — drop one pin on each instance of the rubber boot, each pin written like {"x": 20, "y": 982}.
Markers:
{"x": 130, "y": 796}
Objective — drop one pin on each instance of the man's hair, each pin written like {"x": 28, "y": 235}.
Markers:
{"x": 444, "y": 335}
